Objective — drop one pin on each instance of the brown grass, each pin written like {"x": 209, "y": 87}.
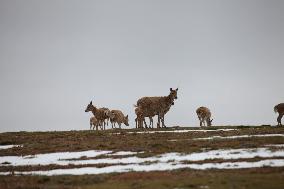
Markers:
{"x": 46, "y": 142}
{"x": 151, "y": 144}
{"x": 260, "y": 178}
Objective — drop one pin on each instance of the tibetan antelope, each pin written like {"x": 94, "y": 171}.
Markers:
{"x": 118, "y": 117}
{"x": 94, "y": 123}
{"x": 152, "y": 106}
{"x": 101, "y": 114}
{"x": 279, "y": 108}
{"x": 140, "y": 118}
{"x": 204, "y": 114}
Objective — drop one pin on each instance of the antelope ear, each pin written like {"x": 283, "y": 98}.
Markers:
{"x": 177, "y": 89}
{"x": 91, "y": 102}
{"x": 126, "y": 116}
{"x": 171, "y": 89}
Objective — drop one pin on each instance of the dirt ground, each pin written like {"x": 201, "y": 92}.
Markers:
{"x": 150, "y": 144}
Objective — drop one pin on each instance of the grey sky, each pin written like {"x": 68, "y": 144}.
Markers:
{"x": 57, "y": 55}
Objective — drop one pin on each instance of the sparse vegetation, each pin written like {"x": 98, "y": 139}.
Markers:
{"x": 151, "y": 144}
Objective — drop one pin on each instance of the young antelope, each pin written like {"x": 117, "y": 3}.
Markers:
{"x": 204, "y": 114}
{"x": 94, "y": 123}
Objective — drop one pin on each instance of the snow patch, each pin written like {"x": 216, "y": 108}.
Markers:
{"x": 166, "y": 161}
{"x": 66, "y": 158}
{"x": 153, "y": 167}
{"x": 123, "y": 153}
{"x": 4, "y": 147}
{"x": 177, "y": 131}
{"x": 240, "y": 136}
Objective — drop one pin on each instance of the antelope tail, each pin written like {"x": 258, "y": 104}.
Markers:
{"x": 275, "y": 109}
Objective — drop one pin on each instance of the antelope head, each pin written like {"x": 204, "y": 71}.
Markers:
{"x": 173, "y": 94}
{"x": 210, "y": 122}
{"x": 126, "y": 120}
{"x": 89, "y": 107}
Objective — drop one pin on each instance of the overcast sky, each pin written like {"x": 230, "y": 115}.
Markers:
{"x": 58, "y": 55}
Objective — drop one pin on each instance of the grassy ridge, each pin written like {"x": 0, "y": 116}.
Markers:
{"x": 117, "y": 140}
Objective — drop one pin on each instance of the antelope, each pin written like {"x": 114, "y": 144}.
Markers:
{"x": 100, "y": 114}
{"x": 94, "y": 123}
{"x": 279, "y": 108}
{"x": 204, "y": 114}
{"x": 107, "y": 115}
{"x": 118, "y": 117}
{"x": 141, "y": 118}
{"x": 152, "y": 106}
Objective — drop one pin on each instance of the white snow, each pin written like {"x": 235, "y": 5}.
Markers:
{"x": 4, "y": 147}
{"x": 178, "y": 131}
{"x": 153, "y": 167}
{"x": 230, "y": 137}
{"x": 123, "y": 153}
{"x": 240, "y": 136}
{"x": 275, "y": 145}
{"x": 223, "y": 154}
{"x": 167, "y": 161}
{"x": 65, "y": 158}
{"x": 60, "y": 158}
